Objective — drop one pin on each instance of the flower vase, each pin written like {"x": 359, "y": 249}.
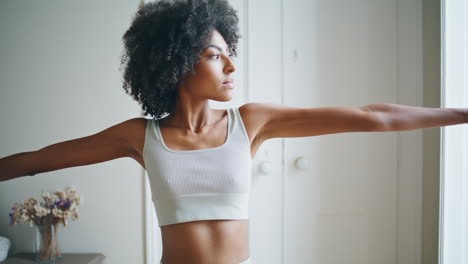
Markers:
{"x": 46, "y": 245}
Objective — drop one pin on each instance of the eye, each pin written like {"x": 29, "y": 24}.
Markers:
{"x": 217, "y": 56}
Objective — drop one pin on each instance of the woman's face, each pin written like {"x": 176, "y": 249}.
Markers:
{"x": 213, "y": 69}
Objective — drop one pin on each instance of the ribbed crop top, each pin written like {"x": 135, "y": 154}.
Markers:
{"x": 202, "y": 184}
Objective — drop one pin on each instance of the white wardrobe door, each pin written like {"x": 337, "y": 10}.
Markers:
{"x": 343, "y": 207}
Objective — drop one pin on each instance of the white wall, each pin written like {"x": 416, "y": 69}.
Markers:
{"x": 59, "y": 80}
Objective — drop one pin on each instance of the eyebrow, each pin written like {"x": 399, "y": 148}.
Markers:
{"x": 216, "y": 47}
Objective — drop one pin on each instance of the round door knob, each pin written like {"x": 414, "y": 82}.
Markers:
{"x": 301, "y": 163}
{"x": 265, "y": 167}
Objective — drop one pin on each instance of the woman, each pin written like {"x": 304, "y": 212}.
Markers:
{"x": 177, "y": 56}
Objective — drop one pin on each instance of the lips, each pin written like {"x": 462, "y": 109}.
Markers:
{"x": 229, "y": 81}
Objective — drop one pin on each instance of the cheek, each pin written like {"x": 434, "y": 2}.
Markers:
{"x": 208, "y": 74}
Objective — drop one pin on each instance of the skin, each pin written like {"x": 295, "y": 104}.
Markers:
{"x": 193, "y": 125}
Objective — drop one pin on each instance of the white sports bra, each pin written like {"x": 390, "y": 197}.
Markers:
{"x": 202, "y": 184}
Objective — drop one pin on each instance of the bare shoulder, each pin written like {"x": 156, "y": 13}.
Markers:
{"x": 254, "y": 116}
{"x": 134, "y": 131}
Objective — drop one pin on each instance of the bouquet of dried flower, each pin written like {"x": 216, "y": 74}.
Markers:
{"x": 57, "y": 208}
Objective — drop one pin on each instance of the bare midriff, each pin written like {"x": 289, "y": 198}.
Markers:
{"x": 206, "y": 242}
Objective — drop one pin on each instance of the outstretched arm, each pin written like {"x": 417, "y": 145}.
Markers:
{"x": 111, "y": 143}
{"x": 395, "y": 117}
{"x": 281, "y": 121}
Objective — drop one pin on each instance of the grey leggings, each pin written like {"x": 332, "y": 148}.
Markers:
{"x": 247, "y": 261}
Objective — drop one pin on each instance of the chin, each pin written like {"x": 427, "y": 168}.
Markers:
{"x": 223, "y": 99}
{"x": 226, "y": 99}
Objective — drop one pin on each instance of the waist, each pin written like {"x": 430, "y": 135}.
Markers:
{"x": 208, "y": 241}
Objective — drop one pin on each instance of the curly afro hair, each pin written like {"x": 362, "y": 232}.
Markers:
{"x": 164, "y": 42}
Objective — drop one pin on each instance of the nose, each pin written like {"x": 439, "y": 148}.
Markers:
{"x": 229, "y": 66}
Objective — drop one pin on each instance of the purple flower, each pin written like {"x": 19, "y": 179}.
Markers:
{"x": 67, "y": 204}
{"x": 63, "y": 204}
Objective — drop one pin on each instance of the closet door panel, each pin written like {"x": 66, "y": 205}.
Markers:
{"x": 342, "y": 207}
